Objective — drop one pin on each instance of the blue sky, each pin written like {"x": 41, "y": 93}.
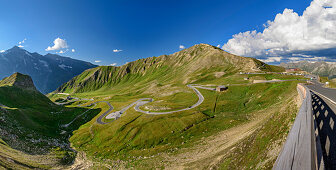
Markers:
{"x": 139, "y": 28}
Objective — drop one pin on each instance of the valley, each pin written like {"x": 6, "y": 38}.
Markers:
{"x": 142, "y": 115}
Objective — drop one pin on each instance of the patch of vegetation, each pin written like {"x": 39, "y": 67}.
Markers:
{"x": 34, "y": 122}
{"x": 332, "y": 82}
{"x": 136, "y": 134}
{"x": 260, "y": 150}
{"x": 14, "y": 159}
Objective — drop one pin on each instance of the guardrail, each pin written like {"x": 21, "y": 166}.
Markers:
{"x": 302, "y": 149}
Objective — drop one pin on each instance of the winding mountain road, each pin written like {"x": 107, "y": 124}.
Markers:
{"x": 99, "y": 119}
{"x": 143, "y": 101}
{"x": 137, "y": 104}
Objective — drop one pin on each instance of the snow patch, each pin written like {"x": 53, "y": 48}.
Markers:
{"x": 28, "y": 54}
{"x": 3, "y": 57}
{"x": 44, "y": 63}
{"x": 62, "y": 66}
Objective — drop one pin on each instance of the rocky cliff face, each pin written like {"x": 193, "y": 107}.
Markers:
{"x": 320, "y": 68}
{"x": 19, "y": 80}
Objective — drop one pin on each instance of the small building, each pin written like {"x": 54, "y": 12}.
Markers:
{"x": 221, "y": 88}
{"x": 246, "y": 78}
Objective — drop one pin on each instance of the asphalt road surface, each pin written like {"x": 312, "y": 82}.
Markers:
{"x": 324, "y": 109}
{"x": 100, "y": 118}
{"x": 327, "y": 92}
{"x": 144, "y": 101}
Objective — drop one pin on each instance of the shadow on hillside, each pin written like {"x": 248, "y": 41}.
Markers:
{"x": 325, "y": 121}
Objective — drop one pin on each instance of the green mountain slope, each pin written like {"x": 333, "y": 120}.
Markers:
{"x": 152, "y": 141}
{"x": 184, "y": 67}
{"x": 30, "y": 123}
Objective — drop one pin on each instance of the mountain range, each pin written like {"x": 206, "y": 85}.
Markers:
{"x": 193, "y": 65}
{"x": 321, "y": 68}
{"x": 47, "y": 71}
{"x": 140, "y": 138}
{"x": 74, "y": 118}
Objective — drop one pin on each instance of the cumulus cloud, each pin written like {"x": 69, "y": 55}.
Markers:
{"x": 73, "y": 50}
{"x": 182, "y": 47}
{"x": 2, "y": 51}
{"x": 23, "y": 41}
{"x": 312, "y": 33}
{"x": 58, "y": 44}
{"x": 271, "y": 59}
{"x": 62, "y": 51}
{"x": 97, "y": 61}
{"x": 113, "y": 64}
{"x": 116, "y": 51}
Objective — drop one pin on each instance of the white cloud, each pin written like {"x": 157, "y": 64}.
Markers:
{"x": 218, "y": 45}
{"x": 271, "y": 59}
{"x": 58, "y": 44}
{"x": 73, "y": 50}
{"x": 311, "y": 58}
{"x": 2, "y": 51}
{"x": 63, "y": 51}
{"x": 290, "y": 33}
{"x": 113, "y": 64}
{"x": 97, "y": 61}
{"x": 116, "y": 51}
{"x": 23, "y": 41}
{"x": 182, "y": 47}
{"x": 21, "y": 46}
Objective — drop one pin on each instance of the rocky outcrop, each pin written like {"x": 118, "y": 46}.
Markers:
{"x": 19, "y": 80}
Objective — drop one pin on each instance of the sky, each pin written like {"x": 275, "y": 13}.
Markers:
{"x": 111, "y": 32}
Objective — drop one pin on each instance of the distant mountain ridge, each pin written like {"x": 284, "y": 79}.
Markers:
{"x": 47, "y": 71}
{"x": 320, "y": 68}
{"x": 201, "y": 61}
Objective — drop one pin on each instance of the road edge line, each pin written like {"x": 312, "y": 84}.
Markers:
{"x": 333, "y": 102}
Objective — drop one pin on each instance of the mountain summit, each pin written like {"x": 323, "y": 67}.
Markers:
{"x": 191, "y": 65}
{"x": 19, "y": 80}
{"x": 47, "y": 71}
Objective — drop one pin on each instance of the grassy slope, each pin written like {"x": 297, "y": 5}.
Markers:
{"x": 192, "y": 64}
{"x": 260, "y": 150}
{"x": 332, "y": 82}
{"x": 14, "y": 159}
{"x": 30, "y": 122}
{"x": 135, "y": 135}
{"x": 29, "y": 115}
